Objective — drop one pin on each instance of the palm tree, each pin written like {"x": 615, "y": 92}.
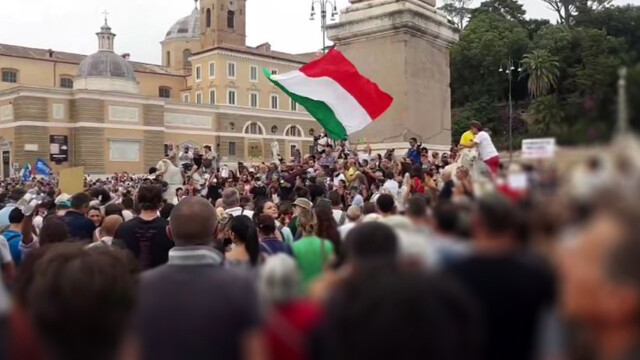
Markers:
{"x": 543, "y": 70}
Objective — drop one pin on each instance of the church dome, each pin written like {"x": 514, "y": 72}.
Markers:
{"x": 186, "y": 28}
{"x": 106, "y": 64}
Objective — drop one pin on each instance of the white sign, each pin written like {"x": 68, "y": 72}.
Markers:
{"x": 123, "y": 113}
{"x": 538, "y": 148}
{"x": 6, "y": 112}
{"x": 58, "y": 111}
{"x": 30, "y": 147}
{"x": 187, "y": 120}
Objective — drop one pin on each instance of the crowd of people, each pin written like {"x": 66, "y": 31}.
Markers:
{"x": 344, "y": 254}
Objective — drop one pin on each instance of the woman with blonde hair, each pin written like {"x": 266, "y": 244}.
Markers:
{"x": 311, "y": 252}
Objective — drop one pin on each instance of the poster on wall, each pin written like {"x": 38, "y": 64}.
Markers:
{"x": 59, "y": 148}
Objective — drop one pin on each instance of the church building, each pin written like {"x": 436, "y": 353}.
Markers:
{"x": 110, "y": 114}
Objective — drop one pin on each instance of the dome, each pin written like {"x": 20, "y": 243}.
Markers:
{"x": 106, "y": 64}
{"x": 186, "y": 28}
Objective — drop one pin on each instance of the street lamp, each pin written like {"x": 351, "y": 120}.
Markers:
{"x": 324, "y": 5}
{"x": 509, "y": 70}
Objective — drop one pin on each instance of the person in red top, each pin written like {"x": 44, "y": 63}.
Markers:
{"x": 417, "y": 180}
{"x": 290, "y": 321}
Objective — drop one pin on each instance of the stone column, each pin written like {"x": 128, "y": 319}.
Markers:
{"x": 403, "y": 45}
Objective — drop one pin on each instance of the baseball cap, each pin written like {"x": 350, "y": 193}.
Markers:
{"x": 303, "y": 203}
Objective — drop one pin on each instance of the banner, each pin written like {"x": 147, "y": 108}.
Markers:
{"x": 43, "y": 168}
{"x": 26, "y": 173}
{"x": 538, "y": 148}
{"x": 72, "y": 180}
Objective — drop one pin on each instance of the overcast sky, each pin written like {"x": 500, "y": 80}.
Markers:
{"x": 69, "y": 25}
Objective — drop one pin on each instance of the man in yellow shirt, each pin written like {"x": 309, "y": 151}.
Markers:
{"x": 467, "y": 139}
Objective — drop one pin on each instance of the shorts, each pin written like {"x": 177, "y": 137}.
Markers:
{"x": 493, "y": 164}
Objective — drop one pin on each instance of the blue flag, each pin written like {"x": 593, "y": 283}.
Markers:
{"x": 26, "y": 173}
{"x": 43, "y": 168}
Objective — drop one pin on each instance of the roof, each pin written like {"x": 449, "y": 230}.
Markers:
{"x": 71, "y": 58}
{"x": 264, "y": 51}
{"x": 187, "y": 27}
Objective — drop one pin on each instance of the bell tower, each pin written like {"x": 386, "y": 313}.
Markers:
{"x": 223, "y": 22}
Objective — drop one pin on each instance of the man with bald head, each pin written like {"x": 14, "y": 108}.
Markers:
{"x": 193, "y": 307}
{"x": 110, "y": 225}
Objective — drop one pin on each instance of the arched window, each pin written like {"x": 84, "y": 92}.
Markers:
{"x": 168, "y": 62}
{"x": 274, "y": 129}
{"x": 231, "y": 19}
{"x": 253, "y": 129}
{"x": 186, "y": 54}
{"x": 66, "y": 82}
{"x": 164, "y": 92}
{"x": 208, "y": 18}
{"x": 293, "y": 131}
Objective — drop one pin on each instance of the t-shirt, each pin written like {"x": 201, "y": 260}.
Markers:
{"x": 14, "y": 238}
{"x": 147, "y": 240}
{"x": 467, "y": 139}
{"x": 393, "y": 187}
{"x": 272, "y": 246}
{"x": 485, "y": 146}
{"x": 80, "y": 227}
{"x": 259, "y": 193}
{"x": 4, "y": 214}
{"x": 312, "y": 253}
{"x": 5, "y": 253}
{"x": 340, "y": 216}
{"x": 511, "y": 292}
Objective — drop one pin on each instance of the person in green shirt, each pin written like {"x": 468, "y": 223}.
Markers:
{"x": 311, "y": 252}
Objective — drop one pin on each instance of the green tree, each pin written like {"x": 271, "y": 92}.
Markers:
{"x": 547, "y": 115}
{"x": 458, "y": 11}
{"x": 567, "y": 10}
{"x": 509, "y": 9}
{"x": 542, "y": 69}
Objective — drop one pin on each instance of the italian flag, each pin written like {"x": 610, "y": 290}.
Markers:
{"x": 334, "y": 93}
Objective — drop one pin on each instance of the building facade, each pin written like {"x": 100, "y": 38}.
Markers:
{"x": 109, "y": 114}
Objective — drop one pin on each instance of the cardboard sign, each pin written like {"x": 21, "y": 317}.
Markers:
{"x": 538, "y": 148}
{"x": 72, "y": 180}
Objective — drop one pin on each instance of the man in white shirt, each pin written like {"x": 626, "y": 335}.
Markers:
{"x": 391, "y": 185}
{"x": 354, "y": 215}
{"x": 231, "y": 203}
{"x": 486, "y": 149}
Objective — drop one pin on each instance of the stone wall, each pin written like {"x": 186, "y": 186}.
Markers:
{"x": 87, "y": 110}
{"x": 30, "y": 108}
{"x": 30, "y": 136}
{"x": 88, "y": 149}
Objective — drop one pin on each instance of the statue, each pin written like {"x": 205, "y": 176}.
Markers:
{"x": 480, "y": 174}
{"x": 275, "y": 152}
{"x": 172, "y": 175}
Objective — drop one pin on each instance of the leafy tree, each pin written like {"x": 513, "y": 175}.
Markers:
{"x": 488, "y": 41}
{"x": 509, "y": 9}
{"x": 458, "y": 10}
{"x": 547, "y": 115}
{"x": 542, "y": 69}
{"x": 568, "y": 9}
{"x": 534, "y": 26}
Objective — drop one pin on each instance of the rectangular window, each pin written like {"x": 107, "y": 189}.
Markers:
{"x": 294, "y": 105}
{"x": 275, "y": 100}
{"x": 66, "y": 83}
{"x": 198, "y": 72}
{"x": 9, "y": 76}
{"x": 212, "y": 96}
{"x": 232, "y": 149}
{"x": 253, "y": 70}
{"x": 212, "y": 70}
{"x": 124, "y": 150}
{"x": 274, "y": 71}
{"x": 253, "y": 99}
{"x": 199, "y": 97}
{"x": 231, "y": 70}
{"x": 186, "y": 98}
{"x": 231, "y": 97}
{"x": 164, "y": 92}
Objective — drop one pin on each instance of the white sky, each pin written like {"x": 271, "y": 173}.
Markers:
{"x": 69, "y": 25}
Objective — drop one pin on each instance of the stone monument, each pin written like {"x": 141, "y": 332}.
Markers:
{"x": 403, "y": 45}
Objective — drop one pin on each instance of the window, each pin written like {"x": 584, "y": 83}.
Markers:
{"x": 66, "y": 83}
{"x": 164, "y": 92}
{"x": 231, "y": 19}
{"x": 186, "y": 54}
{"x": 168, "y": 61}
{"x": 186, "y": 98}
{"x": 274, "y": 129}
{"x": 294, "y": 131}
{"x": 199, "y": 97}
{"x": 294, "y": 105}
{"x": 253, "y": 99}
{"x": 208, "y": 18}
{"x": 274, "y": 71}
{"x": 253, "y": 73}
{"x": 231, "y": 97}
{"x": 10, "y": 76}
{"x": 231, "y": 70}
{"x": 212, "y": 70}
{"x": 212, "y": 96}
{"x": 198, "y": 72}
{"x": 274, "y": 101}
{"x": 232, "y": 148}
{"x": 124, "y": 150}
{"x": 254, "y": 129}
